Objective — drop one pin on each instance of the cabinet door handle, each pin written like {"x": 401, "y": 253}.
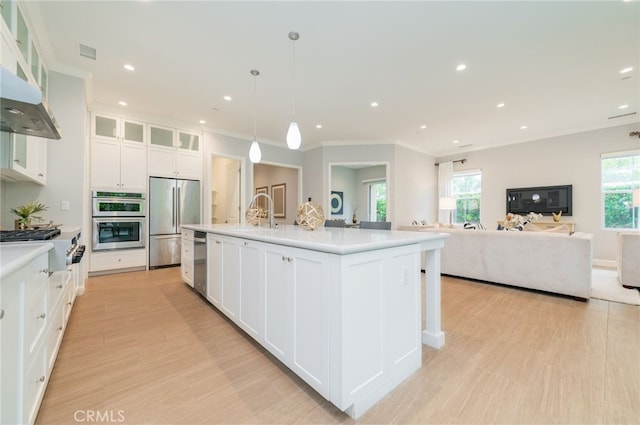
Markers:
{"x": 41, "y": 316}
{"x": 60, "y": 328}
{"x": 40, "y": 175}
{"x": 44, "y": 271}
{"x": 246, "y": 244}
{"x": 59, "y": 286}
{"x": 1, "y": 314}
{"x": 16, "y": 160}
{"x": 218, "y": 242}
{"x": 41, "y": 379}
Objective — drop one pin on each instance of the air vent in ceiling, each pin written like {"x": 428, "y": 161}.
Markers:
{"x": 87, "y": 52}
{"x": 623, "y": 115}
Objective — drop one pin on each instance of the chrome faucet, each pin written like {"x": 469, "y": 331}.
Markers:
{"x": 271, "y": 220}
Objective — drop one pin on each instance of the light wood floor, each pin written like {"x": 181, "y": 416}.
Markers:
{"x": 144, "y": 347}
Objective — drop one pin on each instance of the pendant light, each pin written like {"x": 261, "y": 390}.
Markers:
{"x": 293, "y": 134}
{"x": 255, "y": 154}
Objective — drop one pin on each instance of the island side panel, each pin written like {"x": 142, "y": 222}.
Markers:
{"x": 377, "y": 332}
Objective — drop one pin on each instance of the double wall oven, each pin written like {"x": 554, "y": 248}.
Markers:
{"x": 118, "y": 220}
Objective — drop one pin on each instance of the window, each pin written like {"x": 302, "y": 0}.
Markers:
{"x": 620, "y": 175}
{"x": 467, "y": 189}
{"x": 377, "y": 201}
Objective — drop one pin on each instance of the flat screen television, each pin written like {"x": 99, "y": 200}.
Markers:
{"x": 541, "y": 200}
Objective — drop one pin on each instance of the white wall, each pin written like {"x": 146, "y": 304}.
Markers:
{"x": 571, "y": 159}
{"x": 67, "y": 162}
{"x": 416, "y": 187}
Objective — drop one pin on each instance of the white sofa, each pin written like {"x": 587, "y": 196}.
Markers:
{"x": 629, "y": 259}
{"x": 552, "y": 262}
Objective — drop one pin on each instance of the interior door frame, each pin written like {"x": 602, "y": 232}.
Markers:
{"x": 243, "y": 184}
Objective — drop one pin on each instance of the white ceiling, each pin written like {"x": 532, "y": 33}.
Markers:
{"x": 555, "y": 65}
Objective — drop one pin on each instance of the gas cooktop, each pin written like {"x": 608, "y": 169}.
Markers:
{"x": 28, "y": 235}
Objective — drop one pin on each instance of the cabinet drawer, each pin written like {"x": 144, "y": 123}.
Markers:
{"x": 113, "y": 260}
{"x": 55, "y": 330}
{"x": 38, "y": 278}
{"x": 35, "y": 322}
{"x": 187, "y": 248}
{"x": 187, "y": 272}
{"x": 58, "y": 285}
{"x": 35, "y": 381}
{"x": 187, "y": 234}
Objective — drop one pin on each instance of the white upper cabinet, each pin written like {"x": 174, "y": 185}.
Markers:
{"x": 117, "y": 129}
{"x": 6, "y": 9}
{"x": 23, "y": 158}
{"x": 174, "y": 153}
{"x": 118, "y": 153}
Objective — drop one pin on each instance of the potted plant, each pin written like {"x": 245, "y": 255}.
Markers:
{"x": 27, "y": 213}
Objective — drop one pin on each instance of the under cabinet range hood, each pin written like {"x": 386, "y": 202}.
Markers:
{"x": 24, "y": 111}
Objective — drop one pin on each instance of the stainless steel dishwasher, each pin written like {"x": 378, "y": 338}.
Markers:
{"x": 200, "y": 262}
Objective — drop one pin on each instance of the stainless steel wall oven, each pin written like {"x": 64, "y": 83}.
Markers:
{"x": 118, "y": 220}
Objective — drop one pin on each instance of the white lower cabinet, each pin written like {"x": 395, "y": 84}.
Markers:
{"x": 348, "y": 325}
{"x": 250, "y": 311}
{"x": 230, "y": 281}
{"x": 214, "y": 269}
{"x": 36, "y": 307}
{"x": 186, "y": 255}
{"x": 296, "y": 312}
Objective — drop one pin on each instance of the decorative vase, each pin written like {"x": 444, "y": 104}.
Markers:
{"x": 354, "y": 219}
{"x": 556, "y": 217}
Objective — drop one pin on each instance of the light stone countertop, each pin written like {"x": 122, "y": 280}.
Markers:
{"x": 326, "y": 239}
{"x": 15, "y": 256}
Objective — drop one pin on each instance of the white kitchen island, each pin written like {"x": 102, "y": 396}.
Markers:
{"x": 339, "y": 307}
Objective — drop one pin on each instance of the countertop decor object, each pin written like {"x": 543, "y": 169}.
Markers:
{"x": 27, "y": 213}
{"x": 310, "y": 216}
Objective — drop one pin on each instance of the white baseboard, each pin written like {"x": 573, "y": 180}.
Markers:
{"x": 612, "y": 264}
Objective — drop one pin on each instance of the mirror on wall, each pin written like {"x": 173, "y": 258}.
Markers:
{"x": 358, "y": 191}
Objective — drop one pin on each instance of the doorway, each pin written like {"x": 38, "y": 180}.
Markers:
{"x": 226, "y": 183}
{"x": 285, "y": 182}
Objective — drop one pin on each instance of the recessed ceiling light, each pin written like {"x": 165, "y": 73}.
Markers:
{"x": 625, "y": 70}
{"x": 374, "y": 104}
{"x": 523, "y": 127}
{"x": 227, "y": 98}
{"x": 461, "y": 67}
{"x": 623, "y": 106}
{"x": 423, "y": 126}
{"x": 455, "y": 142}
{"x": 202, "y": 122}
{"x": 129, "y": 67}
{"x": 500, "y": 105}
{"x": 122, "y": 103}
{"x": 318, "y": 125}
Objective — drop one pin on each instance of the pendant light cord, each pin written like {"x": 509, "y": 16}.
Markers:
{"x": 294, "y": 80}
{"x": 255, "y": 107}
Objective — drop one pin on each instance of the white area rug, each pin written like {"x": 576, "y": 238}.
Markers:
{"x": 605, "y": 286}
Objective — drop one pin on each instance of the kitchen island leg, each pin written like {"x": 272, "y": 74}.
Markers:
{"x": 432, "y": 335}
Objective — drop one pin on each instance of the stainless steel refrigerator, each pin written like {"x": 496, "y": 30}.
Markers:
{"x": 172, "y": 202}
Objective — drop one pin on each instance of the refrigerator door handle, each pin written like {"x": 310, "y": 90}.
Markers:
{"x": 173, "y": 205}
{"x": 179, "y": 206}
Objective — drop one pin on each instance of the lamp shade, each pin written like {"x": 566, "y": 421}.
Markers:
{"x": 255, "y": 154}
{"x": 293, "y": 136}
{"x": 447, "y": 203}
{"x": 636, "y": 197}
